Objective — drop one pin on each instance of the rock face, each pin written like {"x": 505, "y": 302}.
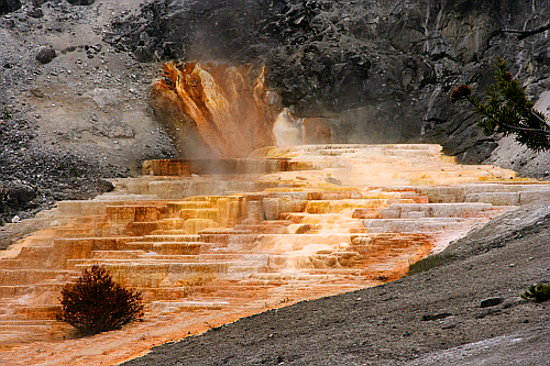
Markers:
{"x": 216, "y": 110}
{"x": 7, "y": 6}
{"x": 382, "y": 69}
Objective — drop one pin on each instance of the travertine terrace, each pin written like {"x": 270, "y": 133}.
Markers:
{"x": 208, "y": 242}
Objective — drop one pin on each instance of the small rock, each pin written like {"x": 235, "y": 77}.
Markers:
{"x": 35, "y": 13}
{"x": 69, "y": 49}
{"x": 37, "y": 93}
{"x": 493, "y": 301}
{"x": 81, "y": 2}
{"x": 429, "y": 317}
{"x": 15, "y": 219}
{"x": 46, "y": 54}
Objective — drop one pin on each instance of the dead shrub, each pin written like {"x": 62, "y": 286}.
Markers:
{"x": 95, "y": 303}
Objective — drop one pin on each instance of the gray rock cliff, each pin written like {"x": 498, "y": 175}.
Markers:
{"x": 382, "y": 68}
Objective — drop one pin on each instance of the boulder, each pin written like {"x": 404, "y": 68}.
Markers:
{"x": 8, "y": 6}
{"x": 45, "y": 54}
{"x": 35, "y": 13}
{"x": 18, "y": 195}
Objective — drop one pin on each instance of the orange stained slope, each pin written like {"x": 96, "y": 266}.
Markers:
{"x": 207, "y": 250}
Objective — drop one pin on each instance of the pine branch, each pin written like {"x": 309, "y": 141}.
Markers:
{"x": 526, "y": 129}
{"x": 540, "y": 119}
{"x": 508, "y": 110}
{"x": 514, "y": 128}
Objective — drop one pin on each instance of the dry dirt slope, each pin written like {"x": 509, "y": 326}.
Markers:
{"x": 68, "y": 121}
{"x": 418, "y": 320}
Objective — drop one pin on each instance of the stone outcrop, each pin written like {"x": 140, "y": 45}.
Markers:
{"x": 381, "y": 69}
{"x": 218, "y": 110}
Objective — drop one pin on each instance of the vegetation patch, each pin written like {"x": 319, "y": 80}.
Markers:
{"x": 537, "y": 292}
{"x": 508, "y": 110}
{"x": 432, "y": 261}
{"x": 95, "y": 303}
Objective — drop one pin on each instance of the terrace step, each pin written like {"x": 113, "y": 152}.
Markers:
{"x": 177, "y": 247}
{"x": 14, "y": 291}
{"x": 11, "y": 277}
{"x": 171, "y": 238}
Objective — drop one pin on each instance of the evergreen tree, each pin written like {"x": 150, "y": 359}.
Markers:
{"x": 508, "y": 110}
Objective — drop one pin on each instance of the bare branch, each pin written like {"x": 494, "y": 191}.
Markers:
{"x": 540, "y": 119}
{"x": 526, "y": 129}
{"x": 526, "y": 33}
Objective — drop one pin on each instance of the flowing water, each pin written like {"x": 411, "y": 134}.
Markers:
{"x": 242, "y": 227}
{"x": 206, "y": 249}
{"x": 230, "y": 108}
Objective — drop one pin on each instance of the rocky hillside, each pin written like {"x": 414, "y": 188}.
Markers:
{"x": 72, "y": 110}
{"x": 382, "y": 69}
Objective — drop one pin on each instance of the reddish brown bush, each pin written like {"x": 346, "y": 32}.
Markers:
{"x": 95, "y": 303}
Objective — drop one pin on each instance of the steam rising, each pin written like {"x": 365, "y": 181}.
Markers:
{"x": 225, "y": 111}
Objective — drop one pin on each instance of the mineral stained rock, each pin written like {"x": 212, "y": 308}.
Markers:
{"x": 224, "y": 108}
